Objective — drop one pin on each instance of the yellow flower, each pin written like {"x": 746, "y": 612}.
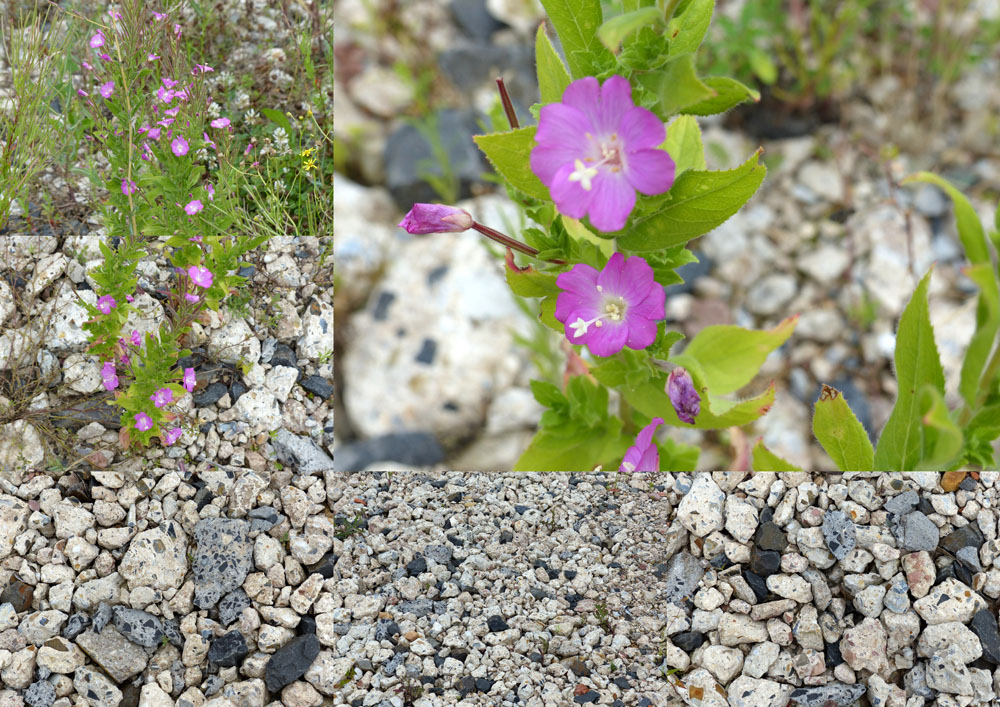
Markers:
{"x": 309, "y": 164}
{"x": 307, "y": 152}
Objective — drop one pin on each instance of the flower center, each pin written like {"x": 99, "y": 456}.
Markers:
{"x": 614, "y": 309}
{"x": 611, "y": 157}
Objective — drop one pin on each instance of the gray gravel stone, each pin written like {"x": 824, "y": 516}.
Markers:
{"x": 140, "y": 627}
{"x": 915, "y": 531}
{"x": 222, "y": 560}
{"x": 681, "y": 576}
{"x": 832, "y": 695}
{"x": 839, "y": 533}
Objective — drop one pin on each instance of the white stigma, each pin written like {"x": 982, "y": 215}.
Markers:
{"x": 614, "y": 310}
{"x": 583, "y": 174}
{"x": 629, "y": 466}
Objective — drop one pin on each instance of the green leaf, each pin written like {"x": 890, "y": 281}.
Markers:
{"x": 578, "y": 232}
{"x": 765, "y": 460}
{"x": 547, "y": 394}
{"x": 552, "y": 75}
{"x": 762, "y": 66}
{"x": 576, "y": 22}
{"x": 684, "y": 144}
{"x": 547, "y": 314}
{"x": 730, "y": 356}
{"x": 613, "y": 31}
{"x": 987, "y": 325}
{"x": 729, "y": 93}
{"x": 942, "y": 440}
{"x": 696, "y": 203}
{"x": 677, "y": 85}
{"x": 840, "y": 433}
{"x": 686, "y": 31}
{"x": 970, "y": 228}
{"x": 528, "y": 282}
{"x": 585, "y": 450}
{"x": 665, "y": 263}
{"x": 278, "y": 118}
{"x": 677, "y": 456}
{"x": 917, "y": 364}
{"x": 509, "y": 153}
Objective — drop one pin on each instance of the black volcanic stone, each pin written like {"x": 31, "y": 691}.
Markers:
{"x": 102, "y": 616}
{"x": 231, "y": 606}
{"x": 764, "y": 562}
{"x": 484, "y": 684}
{"x": 832, "y": 656}
{"x": 588, "y": 696}
{"x": 318, "y": 386}
{"x": 984, "y": 625}
{"x": 770, "y": 537}
{"x": 410, "y": 448}
{"x": 416, "y": 566}
{"x": 291, "y": 661}
{"x": 76, "y": 625}
{"x": 496, "y": 623}
{"x": 229, "y": 649}
{"x": 385, "y": 629}
{"x": 757, "y": 584}
{"x": 210, "y": 395}
{"x": 688, "y": 640}
{"x": 966, "y": 536}
{"x": 307, "y": 624}
{"x": 325, "y": 565}
{"x": 465, "y": 685}
{"x": 18, "y": 594}
{"x": 236, "y": 391}
{"x": 284, "y": 356}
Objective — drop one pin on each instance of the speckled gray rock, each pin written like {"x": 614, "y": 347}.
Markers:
{"x": 228, "y": 650}
{"x": 897, "y": 597}
{"x": 937, "y": 637}
{"x": 915, "y": 531}
{"x": 833, "y": 695}
{"x": 700, "y": 511}
{"x": 681, "y": 576}
{"x": 291, "y": 661}
{"x": 99, "y": 691}
{"x": 232, "y": 605}
{"x": 946, "y": 672}
{"x": 140, "y": 627}
{"x": 903, "y": 503}
{"x": 75, "y": 625}
{"x": 40, "y": 694}
{"x": 839, "y": 533}
{"x": 102, "y": 616}
{"x": 301, "y": 454}
{"x": 118, "y": 656}
{"x": 223, "y": 559}
{"x": 949, "y": 601}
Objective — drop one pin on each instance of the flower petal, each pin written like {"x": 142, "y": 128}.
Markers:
{"x": 606, "y": 340}
{"x": 626, "y": 279}
{"x": 641, "y": 332}
{"x": 652, "y": 307}
{"x": 641, "y": 129}
{"x": 649, "y": 171}
{"x": 547, "y": 159}
{"x": 584, "y": 95}
{"x": 563, "y": 126}
{"x": 579, "y": 294}
{"x": 570, "y": 197}
{"x": 611, "y": 201}
{"x": 616, "y": 101}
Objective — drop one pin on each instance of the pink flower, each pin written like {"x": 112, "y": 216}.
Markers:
{"x": 208, "y": 143}
{"x": 106, "y": 303}
{"x": 643, "y": 455}
{"x": 110, "y": 376}
{"x": 202, "y": 68}
{"x": 683, "y": 396}
{"x": 190, "y": 380}
{"x": 200, "y": 276}
{"x": 154, "y": 133}
{"x": 136, "y": 338}
{"x": 196, "y": 239}
{"x": 161, "y": 397}
{"x": 143, "y": 422}
{"x": 192, "y": 298}
{"x": 130, "y": 298}
{"x": 436, "y": 218}
{"x": 168, "y": 82}
{"x": 128, "y": 187}
{"x": 105, "y": 57}
{"x": 164, "y": 95}
{"x": 97, "y": 41}
{"x": 623, "y": 302}
{"x": 86, "y": 66}
{"x": 211, "y": 191}
{"x": 219, "y": 122}
{"x": 80, "y": 92}
{"x": 596, "y": 149}
{"x": 171, "y": 436}
{"x": 159, "y": 15}
{"x": 247, "y": 151}
{"x": 152, "y": 57}
{"x": 193, "y": 207}
{"x": 107, "y": 89}
{"x": 179, "y": 145}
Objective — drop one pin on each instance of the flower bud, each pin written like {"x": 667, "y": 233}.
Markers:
{"x": 436, "y": 218}
{"x": 683, "y": 396}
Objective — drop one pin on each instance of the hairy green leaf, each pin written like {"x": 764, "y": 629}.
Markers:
{"x": 942, "y": 440}
{"x": 677, "y": 86}
{"x": 764, "y": 459}
{"x": 841, "y": 434}
{"x": 552, "y": 75}
{"x": 987, "y": 325}
{"x": 613, "y": 31}
{"x": 576, "y": 22}
{"x": 970, "y": 228}
{"x": 729, "y": 93}
{"x": 509, "y": 153}
{"x": 687, "y": 30}
{"x": 684, "y": 144}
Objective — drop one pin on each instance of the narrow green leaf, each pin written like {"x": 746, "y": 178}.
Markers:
{"x": 278, "y": 118}
{"x": 684, "y": 144}
{"x": 677, "y": 85}
{"x": 686, "y": 31}
{"x": 576, "y": 22}
{"x": 613, "y": 31}
{"x": 509, "y": 153}
{"x": 917, "y": 363}
{"x": 942, "y": 440}
{"x": 765, "y": 460}
{"x": 762, "y": 66}
{"x": 729, "y": 93}
{"x": 841, "y": 434}
{"x": 987, "y": 325}
{"x": 696, "y": 203}
{"x": 970, "y": 228}
{"x": 730, "y": 356}
{"x": 552, "y": 75}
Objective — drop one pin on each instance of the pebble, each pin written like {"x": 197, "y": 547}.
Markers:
{"x": 947, "y": 673}
{"x": 832, "y": 695}
{"x": 897, "y": 597}
{"x": 869, "y": 600}
{"x": 967, "y": 536}
{"x": 920, "y": 572}
{"x": 701, "y": 509}
{"x": 790, "y": 587}
{"x": 291, "y": 661}
{"x": 681, "y": 575}
{"x": 949, "y": 601}
{"x": 839, "y": 533}
{"x": 747, "y": 691}
{"x": 864, "y": 646}
{"x": 984, "y": 625}
{"x": 735, "y": 629}
{"x": 915, "y": 531}
{"x": 937, "y": 637}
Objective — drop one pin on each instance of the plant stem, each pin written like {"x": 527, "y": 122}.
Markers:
{"x": 625, "y": 411}
{"x": 508, "y": 106}
{"x": 510, "y": 242}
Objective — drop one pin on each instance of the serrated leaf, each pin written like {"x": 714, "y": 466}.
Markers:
{"x": 987, "y": 325}
{"x": 941, "y": 439}
{"x": 677, "y": 86}
{"x": 970, "y": 228}
{"x": 509, "y": 153}
{"x": 696, "y": 203}
{"x": 917, "y": 364}
{"x": 729, "y": 93}
{"x": 763, "y": 459}
{"x": 841, "y": 434}
{"x": 613, "y": 31}
{"x": 528, "y": 282}
{"x": 553, "y": 78}
{"x": 687, "y": 30}
{"x": 683, "y": 144}
{"x": 730, "y": 356}
{"x": 576, "y": 22}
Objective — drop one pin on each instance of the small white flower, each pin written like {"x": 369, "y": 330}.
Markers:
{"x": 214, "y": 110}
{"x": 251, "y": 117}
{"x": 242, "y": 99}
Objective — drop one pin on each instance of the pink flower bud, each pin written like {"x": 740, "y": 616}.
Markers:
{"x": 436, "y": 218}
{"x": 683, "y": 396}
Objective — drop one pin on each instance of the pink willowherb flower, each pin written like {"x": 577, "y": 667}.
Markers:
{"x": 129, "y": 298}
{"x": 192, "y": 298}
{"x": 152, "y": 57}
{"x": 110, "y": 376}
{"x": 193, "y": 207}
{"x": 211, "y": 191}
{"x": 162, "y": 397}
{"x": 200, "y": 276}
{"x": 190, "y": 380}
{"x": 622, "y": 303}
{"x": 143, "y": 422}
{"x": 436, "y": 218}
{"x": 208, "y": 142}
{"x": 106, "y": 303}
{"x": 86, "y": 66}
{"x": 643, "y": 455}
{"x": 128, "y": 187}
{"x": 159, "y": 15}
{"x": 97, "y": 41}
{"x": 220, "y": 123}
{"x": 168, "y": 82}
{"x": 136, "y": 338}
{"x": 196, "y": 239}
{"x": 201, "y": 68}
{"x": 179, "y": 146}
{"x": 683, "y": 396}
{"x": 154, "y": 133}
{"x": 107, "y": 89}
{"x": 596, "y": 148}
{"x": 171, "y": 436}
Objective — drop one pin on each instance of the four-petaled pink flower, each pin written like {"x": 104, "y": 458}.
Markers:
{"x": 596, "y": 148}
{"x": 143, "y": 422}
{"x": 171, "y": 436}
{"x": 616, "y": 307}
{"x": 190, "y": 380}
{"x": 106, "y": 303}
{"x": 162, "y": 396}
{"x": 219, "y": 122}
{"x": 128, "y": 187}
{"x": 193, "y": 207}
{"x": 436, "y": 218}
{"x": 644, "y": 454}
{"x": 107, "y": 89}
{"x": 97, "y": 41}
{"x": 200, "y": 276}
{"x": 179, "y": 145}
{"x": 136, "y": 338}
{"x": 683, "y": 396}
{"x": 110, "y": 376}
